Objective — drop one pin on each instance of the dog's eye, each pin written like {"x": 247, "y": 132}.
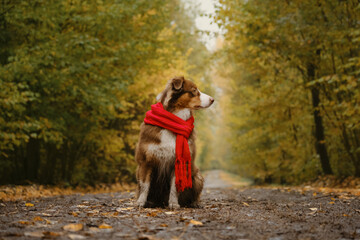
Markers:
{"x": 195, "y": 92}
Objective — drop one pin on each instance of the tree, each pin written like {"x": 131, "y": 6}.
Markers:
{"x": 283, "y": 55}
{"x": 71, "y": 73}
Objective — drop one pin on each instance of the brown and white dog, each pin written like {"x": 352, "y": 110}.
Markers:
{"x": 155, "y": 151}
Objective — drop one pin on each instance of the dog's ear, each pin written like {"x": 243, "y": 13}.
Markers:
{"x": 177, "y": 82}
{"x": 159, "y": 96}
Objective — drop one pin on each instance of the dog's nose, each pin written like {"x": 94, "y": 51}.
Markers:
{"x": 212, "y": 100}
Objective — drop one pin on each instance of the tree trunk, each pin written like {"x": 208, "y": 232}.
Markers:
{"x": 64, "y": 161}
{"x": 357, "y": 146}
{"x": 32, "y": 159}
{"x": 319, "y": 127}
{"x": 48, "y": 176}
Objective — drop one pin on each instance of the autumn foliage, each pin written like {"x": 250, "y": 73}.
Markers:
{"x": 77, "y": 77}
{"x": 293, "y": 101}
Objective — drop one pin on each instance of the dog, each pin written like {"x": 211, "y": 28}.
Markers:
{"x": 155, "y": 151}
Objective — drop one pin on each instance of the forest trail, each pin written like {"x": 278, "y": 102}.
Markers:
{"x": 222, "y": 179}
{"x": 231, "y": 209}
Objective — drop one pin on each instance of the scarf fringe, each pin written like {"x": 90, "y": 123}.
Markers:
{"x": 183, "y": 178}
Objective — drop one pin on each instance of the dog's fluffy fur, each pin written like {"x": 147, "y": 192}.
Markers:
{"x": 155, "y": 151}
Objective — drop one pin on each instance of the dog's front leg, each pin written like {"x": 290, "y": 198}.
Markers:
{"x": 144, "y": 186}
{"x": 173, "y": 198}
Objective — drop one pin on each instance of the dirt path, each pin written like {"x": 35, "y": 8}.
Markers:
{"x": 227, "y": 213}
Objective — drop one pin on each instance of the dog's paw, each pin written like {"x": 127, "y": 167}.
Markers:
{"x": 140, "y": 203}
{"x": 174, "y": 206}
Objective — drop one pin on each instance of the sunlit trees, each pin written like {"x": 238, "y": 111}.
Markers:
{"x": 76, "y": 78}
{"x": 295, "y": 65}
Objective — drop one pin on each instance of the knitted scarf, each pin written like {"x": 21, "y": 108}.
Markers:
{"x": 158, "y": 116}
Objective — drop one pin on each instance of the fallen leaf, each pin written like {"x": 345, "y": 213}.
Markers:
{"x": 73, "y": 227}
{"x": 194, "y": 222}
{"x": 106, "y": 213}
{"x": 34, "y": 234}
{"x": 331, "y": 202}
{"x": 29, "y": 204}
{"x": 75, "y": 214}
{"x": 246, "y": 204}
{"x": 50, "y": 222}
{"x": 169, "y": 213}
{"x": 24, "y": 222}
{"x": 183, "y": 219}
{"x": 82, "y": 206}
{"x": 314, "y": 194}
{"x": 52, "y": 234}
{"x": 313, "y": 209}
{"x": 75, "y": 236}
{"x": 333, "y": 199}
{"x": 151, "y": 214}
{"x": 345, "y": 197}
{"x": 345, "y": 215}
{"x": 105, "y": 226}
{"x": 37, "y": 218}
{"x": 163, "y": 225}
{"x": 124, "y": 209}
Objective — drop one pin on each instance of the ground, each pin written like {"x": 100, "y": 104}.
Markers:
{"x": 230, "y": 210}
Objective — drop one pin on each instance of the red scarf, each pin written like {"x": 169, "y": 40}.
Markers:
{"x": 158, "y": 116}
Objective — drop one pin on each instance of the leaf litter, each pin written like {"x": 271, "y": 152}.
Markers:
{"x": 247, "y": 213}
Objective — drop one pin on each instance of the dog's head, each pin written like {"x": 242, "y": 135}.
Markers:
{"x": 181, "y": 93}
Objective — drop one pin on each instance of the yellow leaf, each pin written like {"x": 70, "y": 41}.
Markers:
{"x": 246, "y": 204}
{"x": 48, "y": 222}
{"x": 151, "y": 214}
{"x": 163, "y": 225}
{"x": 34, "y": 234}
{"x": 331, "y": 202}
{"x": 104, "y": 226}
{"x": 24, "y": 222}
{"x": 333, "y": 199}
{"x": 37, "y": 218}
{"x": 73, "y": 227}
{"x": 29, "y": 204}
{"x": 314, "y": 194}
{"x": 51, "y": 234}
{"x": 75, "y": 214}
{"x": 194, "y": 222}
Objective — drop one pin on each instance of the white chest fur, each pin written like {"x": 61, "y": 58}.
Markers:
{"x": 165, "y": 150}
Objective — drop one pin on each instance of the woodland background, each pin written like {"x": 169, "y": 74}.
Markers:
{"x": 76, "y": 78}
